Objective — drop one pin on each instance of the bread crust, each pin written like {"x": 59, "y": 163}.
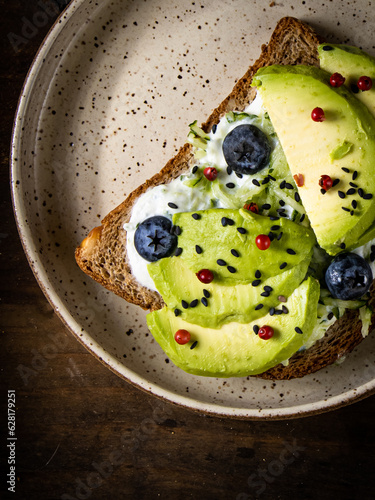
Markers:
{"x": 103, "y": 255}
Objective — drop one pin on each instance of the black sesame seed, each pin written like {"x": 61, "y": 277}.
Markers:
{"x": 256, "y": 282}
{"x": 229, "y": 170}
{"x": 206, "y": 293}
{"x": 241, "y": 230}
{"x": 272, "y": 311}
{"x": 231, "y": 269}
{"x": 354, "y": 204}
{"x": 355, "y": 175}
{"x": 352, "y": 212}
{"x": 255, "y": 182}
{"x": 230, "y": 222}
{"x": 265, "y": 294}
{"x": 353, "y": 184}
{"x": 194, "y": 345}
{"x": 239, "y": 175}
{"x": 256, "y": 329}
{"x": 275, "y": 228}
{"x": 288, "y": 185}
{"x": 330, "y": 315}
{"x": 234, "y": 253}
{"x": 297, "y": 197}
{"x": 177, "y": 312}
{"x": 198, "y": 249}
{"x": 284, "y": 309}
{"x": 341, "y": 194}
{"x": 258, "y": 274}
{"x": 290, "y": 251}
{"x": 335, "y": 182}
{"x": 184, "y": 304}
{"x": 194, "y": 303}
{"x": 224, "y": 221}
{"x": 265, "y": 180}
{"x": 273, "y": 217}
{"x": 346, "y": 209}
{"x": 221, "y": 262}
{"x": 345, "y": 169}
{"x": 342, "y": 246}
{"x": 282, "y": 214}
{"x": 195, "y": 169}
{"x": 204, "y": 301}
{"x": 196, "y": 216}
{"x": 351, "y": 191}
{"x": 172, "y": 205}
{"x": 268, "y": 288}
{"x": 282, "y": 184}
{"x": 354, "y": 88}
{"x": 302, "y": 218}
{"x": 271, "y": 235}
{"x": 281, "y": 203}
{"x": 323, "y": 191}
{"x": 177, "y": 230}
{"x": 259, "y": 306}
{"x": 361, "y": 192}
{"x": 326, "y": 48}
{"x": 283, "y": 265}
{"x": 271, "y": 177}
{"x": 230, "y": 185}
{"x": 214, "y": 127}
{"x": 266, "y": 206}
{"x": 279, "y": 236}
{"x": 178, "y": 251}
{"x": 280, "y": 210}
{"x": 367, "y": 196}
{"x": 278, "y": 311}
{"x": 298, "y": 329}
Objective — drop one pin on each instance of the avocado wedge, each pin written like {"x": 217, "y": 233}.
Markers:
{"x": 341, "y": 147}
{"x": 352, "y": 63}
{"x": 235, "y": 350}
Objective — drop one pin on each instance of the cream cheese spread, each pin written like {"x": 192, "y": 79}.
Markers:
{"x": 155, "y": 200}
{"x": 188, "y": 196}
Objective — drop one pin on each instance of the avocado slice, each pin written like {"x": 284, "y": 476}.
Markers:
{"x": 342, "y": 147}
{"x": 223, "y": 240}
{"x": 212, "y": 304}
{"x": 235, "y": 350}
{"x": 352, "y": 63}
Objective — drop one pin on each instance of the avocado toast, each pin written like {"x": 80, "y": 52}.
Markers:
{"x": 225, "y": 314}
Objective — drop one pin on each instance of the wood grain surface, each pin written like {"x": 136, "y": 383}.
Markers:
{"x": 83, "y": 433}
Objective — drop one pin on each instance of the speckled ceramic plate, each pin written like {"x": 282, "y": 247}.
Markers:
{"x": 107, "y": 101}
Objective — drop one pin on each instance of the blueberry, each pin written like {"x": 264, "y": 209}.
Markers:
{"x": 246, "y": 149}
{"x": 153, "y": 239}
{"x": 348, "y": 277}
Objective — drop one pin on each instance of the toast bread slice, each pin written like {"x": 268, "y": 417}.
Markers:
{"x": 103, "y": 256}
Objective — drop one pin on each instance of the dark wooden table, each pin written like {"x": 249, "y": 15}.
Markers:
{"x": 82, "y": 432}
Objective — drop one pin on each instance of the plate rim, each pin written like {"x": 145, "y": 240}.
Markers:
{"x": 329, "y": 404}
